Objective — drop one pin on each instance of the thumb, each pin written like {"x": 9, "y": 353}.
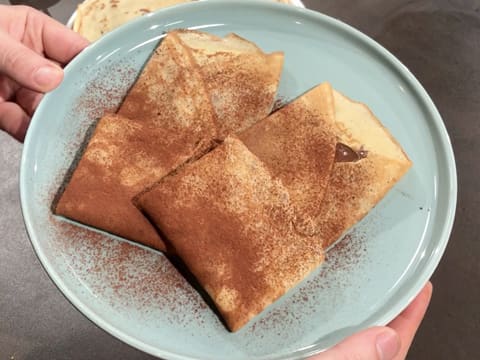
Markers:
{"x": 378, "y": 343}
{"x": 26, "y": 67}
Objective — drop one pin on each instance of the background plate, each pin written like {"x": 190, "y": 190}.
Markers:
{"x": 137, "y": 296}
{"x": 71, "y": 19}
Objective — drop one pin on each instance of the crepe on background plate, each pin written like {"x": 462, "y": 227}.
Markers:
{"x": 109, "y": 174}
{"x": 95, "y": 18}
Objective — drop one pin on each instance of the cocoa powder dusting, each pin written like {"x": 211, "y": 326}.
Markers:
{"x": 344, "y": 258}
{"x": 232, "y": 230}
{"x": 240, "y": 85}
{"x": 126, "y": 275}
{"x": 101, "y": 96}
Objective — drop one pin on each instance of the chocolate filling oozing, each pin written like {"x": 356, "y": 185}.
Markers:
{"x": 345, "y": 153}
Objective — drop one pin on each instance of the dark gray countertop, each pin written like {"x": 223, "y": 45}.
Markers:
{"x": 439, "y": 40}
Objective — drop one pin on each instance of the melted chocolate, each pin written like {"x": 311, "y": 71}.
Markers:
{"x": 345, "y": 153}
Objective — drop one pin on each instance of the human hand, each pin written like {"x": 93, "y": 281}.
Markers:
{"x": 33, "y": 49}
{"x": 391, "y": 342}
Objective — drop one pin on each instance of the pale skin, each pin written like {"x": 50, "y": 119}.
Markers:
{"x": 390, "y": 342}
{"x": 33, "y": 50}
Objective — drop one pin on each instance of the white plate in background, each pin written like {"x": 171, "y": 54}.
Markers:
{"x": 71, "y": 20}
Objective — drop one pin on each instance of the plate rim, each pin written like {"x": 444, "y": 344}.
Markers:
{"x": 444, "y": 140}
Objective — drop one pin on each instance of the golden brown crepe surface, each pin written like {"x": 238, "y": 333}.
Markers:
{"x": 170, "y": 94}
{"x": 356, "y": 187}
{"x": 298, "y": 144}
{"x": 165, "y": 120}
{"x": 230, "y": 221}
{"x": 241, "y": 79}
{"x": 117, "y": 163}
{"x": 97, "y": 17}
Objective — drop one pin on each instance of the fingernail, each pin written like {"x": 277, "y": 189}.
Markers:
{"x": 388, "y": 345}
{"x": 47, "y": 76}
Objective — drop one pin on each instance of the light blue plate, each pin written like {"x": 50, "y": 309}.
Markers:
{"x": 136, "y": 295}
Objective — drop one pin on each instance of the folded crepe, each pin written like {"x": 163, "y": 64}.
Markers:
{"x": 241, "y": 79}
{"x": 298, "y": 145}
{"x": 97, "y": 17}
{"x": 170, "y": 93}
{"x": 369, "y": 162}
{"x": 165, "y": 120}
{"x": 334, "y": 157}
{"x": 231, "y": 222}
{"x": 109, "y": 174}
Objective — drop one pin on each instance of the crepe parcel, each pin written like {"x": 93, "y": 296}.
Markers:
{"x": 325, "y": 144}
{"x": 241, "y": 79}
{"x": 231, "y": 222}
{"x": 165, "y": 120}
{"x": 369, "y": 162}
{"x": 97, "y": 17}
